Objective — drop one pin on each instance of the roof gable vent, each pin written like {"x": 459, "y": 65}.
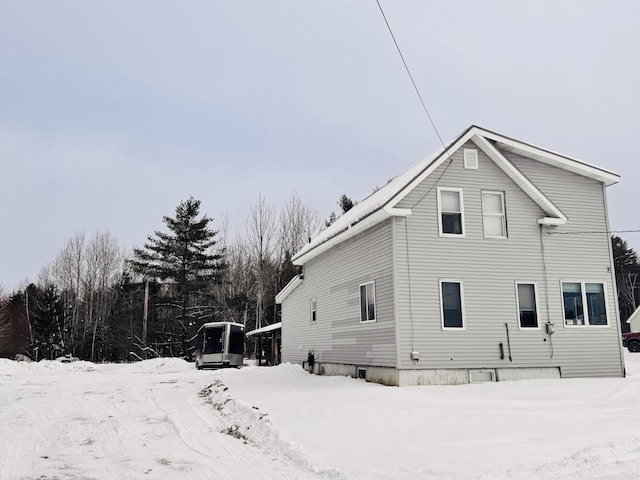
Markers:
{"x": 470, "y": 158}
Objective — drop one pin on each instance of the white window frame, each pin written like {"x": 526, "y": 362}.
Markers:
{"x": 462, "y": 309}
{"x": 375, "y": 307}
{"x": 585, "y": 305}
{"x": 313, "y": 311}
{"x": 535, "y": 292}
{"x": 503, "y": 216}
{"x": 461, "y": 199}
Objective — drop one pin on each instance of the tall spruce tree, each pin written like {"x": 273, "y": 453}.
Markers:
{"x": 186, "y": 255}
{"x": 627, "y": 268}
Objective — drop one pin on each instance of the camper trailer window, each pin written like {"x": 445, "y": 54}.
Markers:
{"x": 214, "y": 340}
{"x": 236, "y": 340}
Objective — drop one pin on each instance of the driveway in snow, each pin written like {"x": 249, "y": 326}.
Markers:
{"x": 147, "y": 420}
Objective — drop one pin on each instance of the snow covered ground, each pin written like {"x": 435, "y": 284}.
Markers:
{"x": 162, "y": 419}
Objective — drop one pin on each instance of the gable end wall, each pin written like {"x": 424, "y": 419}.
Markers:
{"x": 489, "y": 269}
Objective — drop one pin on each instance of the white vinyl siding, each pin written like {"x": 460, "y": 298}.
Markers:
{"x": 368, "y": 302}
{"x": 527, "y": 301}
{"x": 450, "y": 212}
{"x": 334, "y": 279}
{"x": 452, "y": 304}
{"x": 494, "y": 217}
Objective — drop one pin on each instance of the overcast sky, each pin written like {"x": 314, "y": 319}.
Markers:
{"x": 111, "y": 112}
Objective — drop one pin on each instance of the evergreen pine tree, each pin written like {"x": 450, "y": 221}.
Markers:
{"x": 186, "y": 255}
{"x": 46, "y": 314}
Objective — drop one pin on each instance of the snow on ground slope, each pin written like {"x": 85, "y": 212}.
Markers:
{"x": 162, "y": 419}
{"x": 533, "y": 429}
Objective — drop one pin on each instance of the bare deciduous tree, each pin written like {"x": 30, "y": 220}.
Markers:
{"x": 68, "y": 269}
{"x": 261, "y": 229}
{"x": 104, "y": 265}
{"x": 298, "y": 223}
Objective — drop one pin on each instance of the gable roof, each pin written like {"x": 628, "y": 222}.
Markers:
{"x": 381, "y": 204}
{"x": 633, "y": 316}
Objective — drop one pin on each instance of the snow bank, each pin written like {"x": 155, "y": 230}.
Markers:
{"x": 43, "y": 367}
{"x": 159, "y": 365}
{"x": 248, "y": 423}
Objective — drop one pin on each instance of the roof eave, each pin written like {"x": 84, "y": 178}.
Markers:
{"x": 288, "y": 288}
{"x": 552, "y": 158}
{"x": 358, "y": 226}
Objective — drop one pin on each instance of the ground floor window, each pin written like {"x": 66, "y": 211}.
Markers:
{"x": 451, "y": 302}
{"x": 368, "y": 302}
{"x": 314, "y": 311}
{"x": 527, "y": 305}
{"x": 578, "y": 295}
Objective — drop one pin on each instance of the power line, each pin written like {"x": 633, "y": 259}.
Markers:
{"x": 424, "y": 106}
{"x": 636, "y": 230}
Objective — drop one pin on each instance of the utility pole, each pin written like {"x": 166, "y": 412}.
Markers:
{"x": 144, "y": 319}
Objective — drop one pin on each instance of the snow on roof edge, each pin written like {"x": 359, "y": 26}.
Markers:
{"x": 370, "y": 204}
{"x": 266, "y": 329}
{"x": 384, "y": 195}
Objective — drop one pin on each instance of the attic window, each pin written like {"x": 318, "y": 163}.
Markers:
{"x": 470, "y": 158}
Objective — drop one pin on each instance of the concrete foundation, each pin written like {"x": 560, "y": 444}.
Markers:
{"x": 449, "y": 376}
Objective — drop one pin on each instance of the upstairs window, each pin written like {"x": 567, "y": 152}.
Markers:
{"x": 576, "y": 295}
{"x": 368, "y": 302}
{"x": 314, "y": 311}
{"x": 493, "y": 215}
{"x": 450, "y": 211}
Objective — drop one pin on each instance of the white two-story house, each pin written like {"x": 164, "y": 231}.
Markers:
{"x": 489, "y": 260}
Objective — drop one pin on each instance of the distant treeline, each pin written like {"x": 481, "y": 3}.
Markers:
{"x": 97, "y": 302}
